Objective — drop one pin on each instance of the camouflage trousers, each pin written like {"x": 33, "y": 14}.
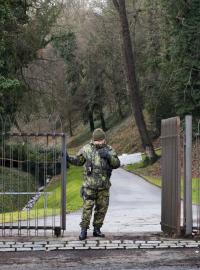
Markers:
{"x": 97, "y": 199}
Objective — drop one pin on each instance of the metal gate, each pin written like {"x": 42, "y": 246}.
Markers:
{"x": 172, "y": 222}
{"x": 171, "y": 197}
{"x": 32, "y": 182}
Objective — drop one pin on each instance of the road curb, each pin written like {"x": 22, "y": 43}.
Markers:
{"x": 141, "y": 176}
{"x": 8, "y": 246}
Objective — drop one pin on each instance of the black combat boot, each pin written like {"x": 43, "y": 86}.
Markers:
{"x": 83, "y": 234}
{"x": 97, "y": 232}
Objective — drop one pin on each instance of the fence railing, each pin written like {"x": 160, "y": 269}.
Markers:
{"x": 32, "y": 182}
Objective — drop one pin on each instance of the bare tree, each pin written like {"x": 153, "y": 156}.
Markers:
{"x": 129, "y": 62}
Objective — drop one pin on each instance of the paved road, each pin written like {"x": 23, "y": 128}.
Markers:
{"x": 135, "y": 206}
{"x": 102, "y": 259}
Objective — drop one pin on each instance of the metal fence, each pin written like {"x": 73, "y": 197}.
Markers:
{"x": 171, "y": 200}
{"x": 32, "y": 181}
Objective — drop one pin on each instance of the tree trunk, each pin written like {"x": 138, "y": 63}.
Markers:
{"x": 129, "y": 61}
{"x": 91, "y": 120}
{"x": 103, "y": 124}
{"x": 119, "y": 109}
{"x": 70, "y": 125}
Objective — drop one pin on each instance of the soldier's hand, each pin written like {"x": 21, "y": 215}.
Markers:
{"x": 104, "y": 153}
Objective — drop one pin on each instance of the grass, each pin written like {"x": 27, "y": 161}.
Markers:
{"x": 196, "y": 190}
{"x": 74, "y": 181}
{"x": 142, "y": 168}
{"x": 52, "y": 201}
{"x": 153, "y": 180}
{"x": 195, "y": 187}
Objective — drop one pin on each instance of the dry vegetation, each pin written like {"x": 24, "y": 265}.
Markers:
{"x": 123, "y": 136}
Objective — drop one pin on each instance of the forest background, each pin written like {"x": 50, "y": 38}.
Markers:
{"x": 71, "y": 58}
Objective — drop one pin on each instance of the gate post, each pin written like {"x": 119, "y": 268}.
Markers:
{"x": 63, "y": 185}
{"x": 188, "y": 175}
{"x": 170, "y": 169}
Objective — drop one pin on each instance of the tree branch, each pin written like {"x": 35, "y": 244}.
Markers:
{"x": 116, "y": 4}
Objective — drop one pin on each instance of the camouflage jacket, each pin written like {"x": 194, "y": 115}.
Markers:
{"x": 97, "y": 170}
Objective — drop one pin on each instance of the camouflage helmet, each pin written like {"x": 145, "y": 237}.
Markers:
{"x": 98, "y": 135}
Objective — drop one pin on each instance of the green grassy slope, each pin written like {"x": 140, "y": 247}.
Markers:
{"x": 13, "y": 180}
{"x": 52, "y": 201}
{"x": 74, "y": 182}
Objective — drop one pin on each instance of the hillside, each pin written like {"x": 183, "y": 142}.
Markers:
{"x": 9, "y": 209}
{"x": 122, "y": 135}
{"x": 13, "y": 180}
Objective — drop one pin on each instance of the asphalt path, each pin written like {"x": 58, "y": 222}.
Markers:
{"x": 135, "y": 206}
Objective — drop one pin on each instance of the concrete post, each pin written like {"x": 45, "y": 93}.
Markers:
{"x": 188, "y": 176}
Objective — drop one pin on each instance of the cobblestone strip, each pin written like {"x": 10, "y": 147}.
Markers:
{"x": 11, "y": 246}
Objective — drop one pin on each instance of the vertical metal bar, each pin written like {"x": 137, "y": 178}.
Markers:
{"x": 12, "y": 184}
{"x": 1, "y": 169}
{"x": 19, "y": 164}
{"x": 171, "y": 163}
{"x": 3, "y": 184}
{"x": 45, "y": 164}
{"x": 162, "y": 173}
{"x": 37, "y": 184}
{"x": 53, "y": 177}
{"x": 35, "y": 178}
{"x": 63, "y": 190}
{"x": 197, "y": 167}
{"x": 9, "y": 188}
{"x": 188, "y": 176}
{"x": 27, "y": 197}
{"x": 28, "y": 185}
{"x": 178, "y": 177}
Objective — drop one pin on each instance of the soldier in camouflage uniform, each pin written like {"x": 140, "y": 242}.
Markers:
{"x": 99, "y": 159}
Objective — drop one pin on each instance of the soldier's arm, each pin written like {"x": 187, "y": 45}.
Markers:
{"x": 113, "y": 159}
{"x": 109, "y": 154}
{"x": 77, "y": 160}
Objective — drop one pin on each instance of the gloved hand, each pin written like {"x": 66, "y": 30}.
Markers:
{"x": 104, "y": 153}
